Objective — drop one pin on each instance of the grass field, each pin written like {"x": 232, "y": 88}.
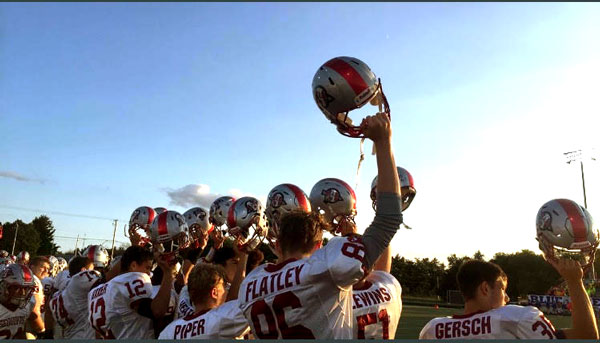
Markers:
{"x": 415, "y": 317}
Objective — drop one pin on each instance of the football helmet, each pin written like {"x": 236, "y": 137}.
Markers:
{"x": 219, "y": 210}
{"x": 407, "y": 187}
{"x": 197, "y": 221}
{"x": 16, "y": 285}
{"x": 139, "y": 225}
{"x": 335, "y": 200}
{"x": 170, "y": 232}
{"x": 53, "y": 265}
{"x": 98, "y": 255}
{"x": 562, "y": 225}
{"x": 246, "y": 222}
{"x": 4, "y": 253}
{"x": 283, "y": 199}
{"x": 62, "y": 264}
{"x": 23, "y": 257}
{"x": 159, "y": 210}
{"x": 344, "y": 84}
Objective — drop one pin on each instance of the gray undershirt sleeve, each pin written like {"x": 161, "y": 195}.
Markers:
{"x": 384, "y": 226}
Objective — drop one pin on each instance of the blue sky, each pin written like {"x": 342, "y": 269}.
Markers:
{"x": 107, "y": 107}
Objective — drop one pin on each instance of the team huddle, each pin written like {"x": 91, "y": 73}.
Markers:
{"x": 166, "y": 286}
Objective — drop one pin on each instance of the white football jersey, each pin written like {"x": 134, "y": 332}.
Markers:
{"x": 307, "y": 298}
{"x": 223, "y": 322}
{"x": 506, "y": 322}
{"x": 184, "y": 305}
{"x": 13, "y": 322}
{"x": 70, "y": 308}
{"x": 111, "y": 305}
{"x": 172, "y": 300}
{"x": 377, "y": 307}
{"x": 61, "y": 279}
{"x": 47, "y": 284}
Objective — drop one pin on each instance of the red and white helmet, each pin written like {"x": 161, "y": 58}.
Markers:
{"x": 197, "y": 222}
{"x": 139, "y": 225}
{"x": 344, "y": 84}
{"x": 564, "y": 225}
{"x": 62, "y": 264}
{"x": 159, "y": 210}
{"x": 335, "y": 200}
{"x": 98, "y": 255}
{"x": 23, "y": 257}
{"x": 283, "y": 199}
{"x": 246, "y": 222}
{"x": 16, "y": 276}
{"x": 170, "y": 229}
{"x": 219, "y": 210}
{"x": 407, "y": 187}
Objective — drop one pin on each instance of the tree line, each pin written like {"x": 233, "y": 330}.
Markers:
{"x": 36, "y": 237}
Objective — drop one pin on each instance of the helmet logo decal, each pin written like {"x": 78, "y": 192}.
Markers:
{"x": 323, "y": 98}
{"x": 135, "y": 216}
{"x": 331, "y": 195}
{"x": 277, "y": 200}
{"x": 546, "y": 224}
{"x": 251, "y": 207}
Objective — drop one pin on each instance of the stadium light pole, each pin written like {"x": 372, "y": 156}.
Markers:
{"x": 15, "y": 239}
{"x": 573, "y": 156}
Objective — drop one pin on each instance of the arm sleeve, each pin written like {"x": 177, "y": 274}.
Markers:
{"x": 384, "y": 226}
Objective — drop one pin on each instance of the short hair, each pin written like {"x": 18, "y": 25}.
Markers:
{"x": 301, "y": 232}
{"x": 202, "y": 279}
{"x": 135, "y": 253}
{"x": 473, "y": 272}
{"x": 39, "y": 260}
{"x": 77, "y": 263}
{"x": 222, "y": 255}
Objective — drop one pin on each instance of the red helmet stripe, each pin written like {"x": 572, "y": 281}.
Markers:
{"x": 26, "y": 274}
{"x": 231, "y": 216}
{"x": 162, "y": 224}
{"x": 575, "y": 215}
{"x": 91, "y": 252}
{"x": 302, "y": 200}
{"x": 151, "y": 214}
{"x": 350, "y": 74}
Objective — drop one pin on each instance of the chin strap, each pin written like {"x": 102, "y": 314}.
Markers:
{"x": 360, "y": 160}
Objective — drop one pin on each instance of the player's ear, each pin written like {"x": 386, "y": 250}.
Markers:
{"x": 484, "y": 288}
{"x": 214, "y": 293}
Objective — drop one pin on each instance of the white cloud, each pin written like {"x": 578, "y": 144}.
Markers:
{"x": 19, "y": 177}
{"x": 199, "y": 195}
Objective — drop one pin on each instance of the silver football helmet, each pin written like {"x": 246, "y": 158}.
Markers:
{"x": 170, "y": 232}
{"x": 335, "y": 200}
{"x": 53, "y": 265}
{"x": 159, "y": 210}
{"x": 283, "y": 199}
{"x": 139, "y": 225}
{"x": 344, "y": 84}
{"x": 62, "y": 264}
{"x": 198, "y": 223}
{"x": 98, "y": 255}
{"x": 219, "y": 210}
{"x": 246, "y": 222}
{"x": 13, "y": 277}
{"x": 563, "y": 225}
{"x": 407, "y": 187}
{"x": 23, "y": 257}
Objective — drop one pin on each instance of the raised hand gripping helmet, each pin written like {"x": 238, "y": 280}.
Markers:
{"x": 407, "y": 187}
{"x": 16, "y": 276}
{"x": 344, "y": 84}
{"x": 98, "y": 255}
{"x": 246, "y": 222}
{"x": 335, "y": 200}
{"x": 563, "y": 225}
{"x": 170, "y": 229}
{"x": 283, "y": 199}
{"x": 219, "y": 210}
{"x": 197, "y": 221}
{"x": 139, "y": 225}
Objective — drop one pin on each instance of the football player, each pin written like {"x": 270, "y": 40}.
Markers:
{"x": 309, "y": 294}
{"x": 16, "y": 288}
{"x": 213, "y": 318}
{"x": 40, "y": 266}
{"x": 486, "y": 315}
{"x": 123, "y": 307}
{"x": 69, "y": 307}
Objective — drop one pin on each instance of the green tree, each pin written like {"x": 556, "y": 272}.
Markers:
{"x": 28, "y": 238}
{"x": 43, "y": 225}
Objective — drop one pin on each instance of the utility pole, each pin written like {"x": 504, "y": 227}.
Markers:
{"x": 15, "y": 239}
{"x": 76, "y": 243}
{"x": 112, "y": 251}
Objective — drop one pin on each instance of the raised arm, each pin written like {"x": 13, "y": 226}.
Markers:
{"x": 388, "y": 218}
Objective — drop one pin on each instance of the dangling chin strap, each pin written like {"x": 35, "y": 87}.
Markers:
{"x": 360, "y": 160}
